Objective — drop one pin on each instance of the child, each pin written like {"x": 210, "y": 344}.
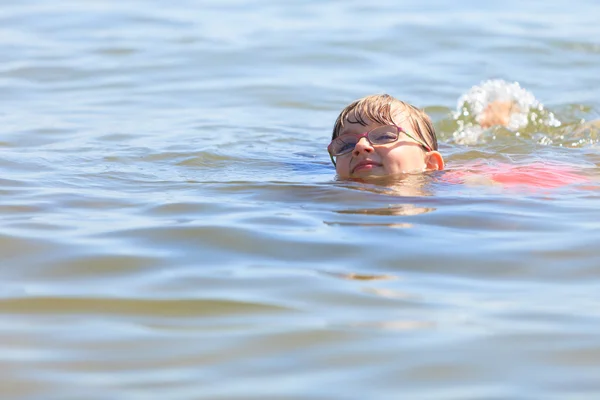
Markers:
{"x": 381, "y": 136}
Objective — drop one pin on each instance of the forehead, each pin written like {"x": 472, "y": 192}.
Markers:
{"x": 358, "y": 120}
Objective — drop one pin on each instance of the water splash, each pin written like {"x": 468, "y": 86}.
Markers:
{"x": 527, "y": 112}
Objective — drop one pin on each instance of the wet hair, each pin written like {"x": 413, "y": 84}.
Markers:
{"x": 378, "y": 108}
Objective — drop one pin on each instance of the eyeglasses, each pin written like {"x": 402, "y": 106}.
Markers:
{"x": 345, "y": 144}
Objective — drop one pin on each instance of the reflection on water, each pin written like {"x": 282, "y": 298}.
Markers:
{"x": 404, "y": 185}
{"x": 392, "y": 210}
{"x": 172, "y": 225}
{"x": 396, "y": 209}
{"x": 362, "y": 277}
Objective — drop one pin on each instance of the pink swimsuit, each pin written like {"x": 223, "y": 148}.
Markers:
{"x": 536, "y": 175}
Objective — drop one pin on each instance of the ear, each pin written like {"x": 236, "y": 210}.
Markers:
{"x": 434, "y": 161}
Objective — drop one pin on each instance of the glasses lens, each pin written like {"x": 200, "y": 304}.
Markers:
{"x": 343, "y": 145}
{"x": 383, "y": 135}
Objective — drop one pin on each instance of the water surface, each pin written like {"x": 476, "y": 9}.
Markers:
{"x": 171, "y": 226}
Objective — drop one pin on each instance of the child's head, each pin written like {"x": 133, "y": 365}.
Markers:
{"x": 401, "y": 138}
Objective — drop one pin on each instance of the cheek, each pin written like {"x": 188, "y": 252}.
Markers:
{"x": 392, "y": 156}
{"x": 402, "y": 158}
{"x": 342, "y": 167}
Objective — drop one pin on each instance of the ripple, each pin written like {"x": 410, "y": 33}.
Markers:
{"x": 166, "y": 308}
{"x": 172, "y": 226}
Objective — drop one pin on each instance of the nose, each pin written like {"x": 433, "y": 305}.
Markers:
{"x": 363, "y": 145}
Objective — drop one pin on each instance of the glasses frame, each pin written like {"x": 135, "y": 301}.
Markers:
{"x": 366, "y": 135}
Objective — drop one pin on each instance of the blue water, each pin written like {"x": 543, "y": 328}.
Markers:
{"x": 172, "y": 227}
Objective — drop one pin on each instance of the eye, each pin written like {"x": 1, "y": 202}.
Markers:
{"x": 344, "y": 146}
{"x": 383, "y": 136}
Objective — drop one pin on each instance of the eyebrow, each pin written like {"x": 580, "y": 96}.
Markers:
{"x": 351, "y": 130}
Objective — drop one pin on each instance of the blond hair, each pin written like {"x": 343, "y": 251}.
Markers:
{"x": 378, "y": 108}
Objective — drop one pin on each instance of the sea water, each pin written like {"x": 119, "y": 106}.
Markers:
{"x": 172, "y": 227}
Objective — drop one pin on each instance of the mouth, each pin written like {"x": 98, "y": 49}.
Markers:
{"x": 365, "y": 165}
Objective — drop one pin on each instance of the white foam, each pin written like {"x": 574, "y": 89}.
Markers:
{"x": 471, "y": 105}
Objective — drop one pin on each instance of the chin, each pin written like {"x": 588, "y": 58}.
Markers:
{"x": 376, "y": 172}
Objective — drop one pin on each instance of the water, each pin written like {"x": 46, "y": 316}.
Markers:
{"x": 171, "y": 226}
